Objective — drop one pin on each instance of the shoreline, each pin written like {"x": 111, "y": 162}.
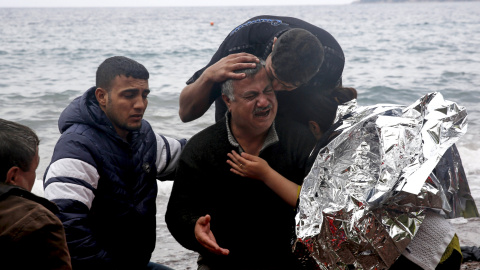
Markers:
{"x": 169, "y": 252}
{"x": 172, "y": 254}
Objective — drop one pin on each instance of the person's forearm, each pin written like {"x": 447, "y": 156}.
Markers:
{"x": 195, "y": 99}
{"x": 286, "y": 189}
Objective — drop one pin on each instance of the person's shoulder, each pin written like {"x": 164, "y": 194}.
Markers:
{"x": 28, "y": 198}
{"x": 79, "y": 137}
{"x": 286, "y": 125}
{"x": 146, "y": 127}
{"x": 211, "y": 135}
{"x": 77, "y": 128}
{"x": 26, "y": 214}
{"x": 211, "y": 131}
{"x": 294, "y": 133}
{"x": 258, "y": 29}
{"x": 282, "y": 20}
{"x": 274, "y": 18}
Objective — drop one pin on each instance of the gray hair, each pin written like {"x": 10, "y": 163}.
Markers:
{"x": 18, "y": 146}
{"x": 227, "y": 86}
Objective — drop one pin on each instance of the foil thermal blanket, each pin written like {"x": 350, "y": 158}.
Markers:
{"x": 369, "y": 188}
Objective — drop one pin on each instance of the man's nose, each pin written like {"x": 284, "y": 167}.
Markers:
{"x": 263, "y": 101}
{"x": 140, "y": 103}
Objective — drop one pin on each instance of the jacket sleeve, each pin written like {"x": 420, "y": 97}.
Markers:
{"x": 168, "y": 154}
{"x": 71, "y": 181}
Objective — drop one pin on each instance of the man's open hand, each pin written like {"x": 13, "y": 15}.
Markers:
{"x": 205, "y": 236}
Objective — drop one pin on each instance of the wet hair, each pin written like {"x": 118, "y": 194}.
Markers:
{"x": 18, "y": 147}
{"x": 297, "y": 56}
{"x": 227, "y": 86}
{"x": 116, "y": 66}
{"x": 321, "y": 107}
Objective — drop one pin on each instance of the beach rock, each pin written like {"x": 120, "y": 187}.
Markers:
{"x": 471, "y": 253}
{"x": 468, "y": 232}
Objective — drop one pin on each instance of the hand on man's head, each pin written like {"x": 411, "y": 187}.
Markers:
{"x": 225, "y": 68}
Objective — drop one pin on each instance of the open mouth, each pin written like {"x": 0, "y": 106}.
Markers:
{"x": 263, "y": 113}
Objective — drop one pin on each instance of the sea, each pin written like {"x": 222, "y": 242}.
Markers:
{"x": 395, "y": 53}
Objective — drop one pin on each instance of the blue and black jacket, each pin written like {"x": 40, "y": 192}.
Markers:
{"x": 105, "y": 187}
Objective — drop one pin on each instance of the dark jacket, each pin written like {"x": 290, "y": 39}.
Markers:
{"x": 248, "y": 218}
{"x": 31, "y": 236}
{"x": 255, "y": 36}
{"x": 106, "y": 187}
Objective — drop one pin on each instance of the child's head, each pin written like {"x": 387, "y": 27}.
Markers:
{"x": 18, "y": 154}
{"x": 317, "y": 109}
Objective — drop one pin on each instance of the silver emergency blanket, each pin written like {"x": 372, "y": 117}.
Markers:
{"x": 368, "y": 189}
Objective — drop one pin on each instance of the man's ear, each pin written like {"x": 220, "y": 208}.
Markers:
{"x": 315, "y": 129}
{"x": 101, "y": 95}
{"x": 227, "y": 101}
{"x": 12, "y": 175}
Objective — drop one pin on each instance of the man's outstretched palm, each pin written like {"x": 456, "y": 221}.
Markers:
{"x": 205, "y": 236}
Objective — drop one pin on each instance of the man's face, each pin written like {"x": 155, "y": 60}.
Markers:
{"x": 277, "y": 84}
{"x": 255, "y": 104}
{"x": 26, "y": 179}
{"x": 126, "y": 104}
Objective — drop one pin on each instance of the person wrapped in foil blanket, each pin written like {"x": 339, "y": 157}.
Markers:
{"x": 391, "y": 169}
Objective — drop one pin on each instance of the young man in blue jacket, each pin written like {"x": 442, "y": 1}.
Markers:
{"x": 104, "y": 169}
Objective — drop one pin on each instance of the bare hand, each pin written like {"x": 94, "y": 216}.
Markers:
{"x": 225, "y": 67}
{"x": 247, "y": 165}
{"x": 205, "y": 237}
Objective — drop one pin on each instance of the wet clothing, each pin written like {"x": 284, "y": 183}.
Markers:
{"x": 248, "y": 218}
{"x": 106, "y": 187}
{"x": 255, "y": 36}
{"x": 31, "y": 236}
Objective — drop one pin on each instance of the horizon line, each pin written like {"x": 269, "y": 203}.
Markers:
{"x": 146, "y": 6}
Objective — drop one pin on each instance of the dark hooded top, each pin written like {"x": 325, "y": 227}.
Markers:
{"x": 255, "y": 36}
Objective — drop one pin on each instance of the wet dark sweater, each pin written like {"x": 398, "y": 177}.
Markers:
{"x": 247, "y": 217}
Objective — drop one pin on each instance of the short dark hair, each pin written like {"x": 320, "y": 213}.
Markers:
{"x": 297, "y": 56}
{"x": 18, "y": 146}
{"x": 319, "y": 106}
{"x": 227, "y": 86}
{"x": 116, "y": 66}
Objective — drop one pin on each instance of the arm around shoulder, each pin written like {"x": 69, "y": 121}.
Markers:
{"x": 168, "y": 154}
